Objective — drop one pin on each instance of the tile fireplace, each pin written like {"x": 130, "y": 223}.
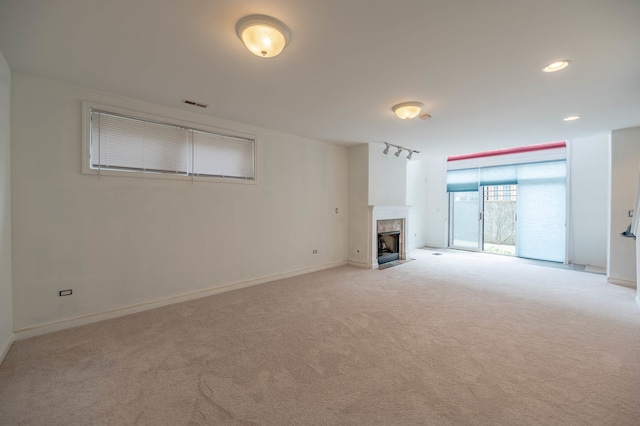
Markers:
{"x": 388, "y": 226}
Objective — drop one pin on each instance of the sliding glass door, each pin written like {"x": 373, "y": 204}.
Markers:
{"x": 465, "y": 220}
{"x": 514, "y": 210}
{"x": 499, "y": 219}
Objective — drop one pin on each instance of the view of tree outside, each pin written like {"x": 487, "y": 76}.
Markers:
{"x": 500, "y": 219}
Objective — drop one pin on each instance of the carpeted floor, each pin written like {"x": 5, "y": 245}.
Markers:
{"x": 456, "y": 339}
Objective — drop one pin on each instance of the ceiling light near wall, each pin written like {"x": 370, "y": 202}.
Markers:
{"x": 263, "y": 35}
{"x": 407, "y": 110}
{"x": 571, "y": 118}
{"x": 556, "y": 66}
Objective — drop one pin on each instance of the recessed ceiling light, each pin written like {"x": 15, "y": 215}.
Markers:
{"x": 571, "y": 118}
{"x": 556, "y": 66}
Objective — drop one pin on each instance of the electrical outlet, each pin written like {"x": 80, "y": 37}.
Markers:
{"x": 68, "y": 292}
{"x": 315, "y": 252}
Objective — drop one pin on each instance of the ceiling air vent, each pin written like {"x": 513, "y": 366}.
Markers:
{"x": 194, "y": 103}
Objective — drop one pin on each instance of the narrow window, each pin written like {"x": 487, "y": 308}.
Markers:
{"x": 127, "y": 143}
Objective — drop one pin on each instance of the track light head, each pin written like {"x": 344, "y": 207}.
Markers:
{"x": 386, "y": 150}
{"x": 410, "y": 154}
{"x": 397, "y": 154}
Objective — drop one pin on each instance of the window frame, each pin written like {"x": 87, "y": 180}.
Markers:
{"x": 86, "y": 145}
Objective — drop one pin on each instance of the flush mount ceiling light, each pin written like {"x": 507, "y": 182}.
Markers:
{"x": 571, "y": 118}
{"x": 263, "y": 35}
{"x": 556, "y": 66}
{"x": 407, "y": 110}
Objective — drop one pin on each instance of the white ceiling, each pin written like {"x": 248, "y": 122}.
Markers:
{"x": 475, "y": 64}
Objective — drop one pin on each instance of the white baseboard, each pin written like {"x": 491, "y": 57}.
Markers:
{"x": 434, "y": 245}
{"x": 359, "y": 264}
{"x": 416, "y": 247}
{"x": 624, "y": 283}
{"x": 64, "y": 324}
{"x": 7, "y": 346}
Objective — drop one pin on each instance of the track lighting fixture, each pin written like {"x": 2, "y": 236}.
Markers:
{"x": 400, "y": 149}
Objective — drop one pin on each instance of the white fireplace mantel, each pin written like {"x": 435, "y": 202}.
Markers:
{"x": 384, "y": 212}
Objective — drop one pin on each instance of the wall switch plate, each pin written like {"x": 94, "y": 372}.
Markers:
{"x": 630, "y": 213}
{"x": 68, "y": 292}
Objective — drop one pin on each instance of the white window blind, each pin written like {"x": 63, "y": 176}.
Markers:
{"x": 541, "y": 210}
{"x": 462, "y": 180}
{"x": 126, "y": 143}
{"x": 123, "y": 143}
{"x": 223, "y": 156}
{"x": 498, "y": 175}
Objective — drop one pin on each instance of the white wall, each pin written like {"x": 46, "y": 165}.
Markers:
{"x": 589, "y": 198}
{"x": 625, "y": 166}
{"x": 417, "y": 200}
{"x": 437, "y": 222}
{"x": 638, "y": 271}
{"x": 118, "y": 241}
{"x": 6, "y": 298}
{"x": 387, "y": 177}
{"x": 378, "y": 179}
{"x": 358, "y": 205}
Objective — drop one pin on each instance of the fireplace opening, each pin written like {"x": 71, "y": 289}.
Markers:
{"x": 388, "y": 246}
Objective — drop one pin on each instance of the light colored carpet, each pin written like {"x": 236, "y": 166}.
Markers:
{"x": 456, "y": 339}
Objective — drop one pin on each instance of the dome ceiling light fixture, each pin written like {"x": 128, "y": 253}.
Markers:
{"x": 571, "y": 118}
{"x": 407, "y": 110}
{"x": 263, "y": 35}
{"x": 556, "y": 66}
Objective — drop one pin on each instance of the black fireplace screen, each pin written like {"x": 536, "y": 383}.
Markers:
{"x": 388, "y": 246}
